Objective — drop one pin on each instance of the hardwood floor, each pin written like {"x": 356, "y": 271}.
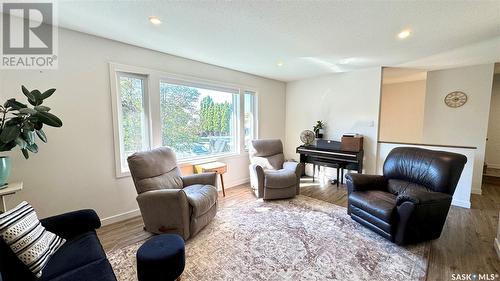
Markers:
{"x": 465, "y": 246}
{"x": 492, "y": 172}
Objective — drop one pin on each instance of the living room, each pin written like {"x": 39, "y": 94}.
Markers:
{"x": 215, "y": 94}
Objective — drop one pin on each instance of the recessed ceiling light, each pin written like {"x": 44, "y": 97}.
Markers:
{"x": 154, "y": 20}
{"x": 404, "y": 34}
{"x": 279, "y": 63}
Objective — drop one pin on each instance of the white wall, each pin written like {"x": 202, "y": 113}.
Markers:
{"x": 492, "y": 156}
{"x": 347, "y": 102}
{"x": 463, "y": 126}
{"x": 402, "y": 112}
{"x": 461, "y": 197}
{"x": 76, "y": 168}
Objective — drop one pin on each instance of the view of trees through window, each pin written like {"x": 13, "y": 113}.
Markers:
{"x": 196, "y": 121}
{"x": 133, "y": 119}
{"x": 249, "y": 122}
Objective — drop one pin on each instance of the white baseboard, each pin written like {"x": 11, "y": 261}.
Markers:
{"x": 235, "y": 183}
{"x": 497, "y": 247}
{"x": 120, "y": 217}
{"x": 461, "y": 203}
{"x": 136, "y": 212}
{"x": 476, "y": 190}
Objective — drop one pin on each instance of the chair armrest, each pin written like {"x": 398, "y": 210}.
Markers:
{"x": 294, "y": 166}
{"x": 423, "y": 197}
{"x": 71, "y": 224}
{"x": 257, "y": 179}
{"x": 165, "y": 210}
{"x": 362, "y": 182}
{"x": 203, "y": 178}
{"x": 298, "y": 169}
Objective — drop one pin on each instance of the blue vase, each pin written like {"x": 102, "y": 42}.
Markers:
{"x": 5, "y": 166}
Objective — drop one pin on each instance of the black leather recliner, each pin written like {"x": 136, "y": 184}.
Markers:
{"x": 410, "y": 202}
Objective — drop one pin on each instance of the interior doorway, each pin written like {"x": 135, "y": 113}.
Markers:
{"x": 492, "y": 153}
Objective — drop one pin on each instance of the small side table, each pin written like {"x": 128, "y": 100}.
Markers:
{"x": 10, "y": 189}
{"x": 217, "y": 167}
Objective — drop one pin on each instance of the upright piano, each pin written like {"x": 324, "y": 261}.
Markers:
{"x": 332, "y": 157}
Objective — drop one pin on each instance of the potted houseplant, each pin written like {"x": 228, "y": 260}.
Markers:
{"x": 319, "y": 129}
{"x": 21, "y": 124}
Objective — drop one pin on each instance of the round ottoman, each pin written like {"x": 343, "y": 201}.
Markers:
{"x": 161, "y": 258}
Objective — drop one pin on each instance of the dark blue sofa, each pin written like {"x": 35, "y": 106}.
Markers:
{"x": 81, "y": 258}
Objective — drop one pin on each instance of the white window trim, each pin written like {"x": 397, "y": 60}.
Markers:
{"x": 153, "y": 79}
{"x": 256, "y": 117}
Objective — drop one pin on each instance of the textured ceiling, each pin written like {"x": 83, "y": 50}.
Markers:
{"x": 310, "y": 38}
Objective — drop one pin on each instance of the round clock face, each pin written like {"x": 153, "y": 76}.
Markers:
{"x": 455, "y": 99}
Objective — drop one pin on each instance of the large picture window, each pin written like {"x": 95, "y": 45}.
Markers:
{"x": 196, "y": 121}
{"x": 197, "y": 118}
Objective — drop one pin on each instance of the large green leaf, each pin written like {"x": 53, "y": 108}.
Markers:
{"x": 28, "y": 126}
{"x": 49, "y": 119}
{"x": 38, "y": 97}
{"x": 32, "y": 147}
{"x": 29, "y": 95}
{"x": 48, "y": 93}
{"x": 42, "y": 108}
{"x": 12, "y": 103}
{"x": 28, "y": 110}
{"x": 14, "y": 121}
{"x": 35, "y": 121}
{"x": 38, "y": 125}
{"x": 9, "y": 133}
{"x": 7, "y": 146}
{"x": 41, "y": 134}
{"x": 21, "y": 142}
{"x": 29, "y": 137}
{"x": 25, "y": 153}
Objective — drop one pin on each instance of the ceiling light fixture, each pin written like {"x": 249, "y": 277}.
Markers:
{"x": 404, "y": 34}
{"x": 154, "y": 20}
{"x": 279, "y": 63}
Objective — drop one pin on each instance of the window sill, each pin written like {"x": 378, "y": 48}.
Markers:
{"x": 196, "y": 161}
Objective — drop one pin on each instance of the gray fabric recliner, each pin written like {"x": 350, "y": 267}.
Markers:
{"x": 169, "y": 202}
{"x": 270, "y": 176}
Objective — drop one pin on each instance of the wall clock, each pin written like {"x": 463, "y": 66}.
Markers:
{"x": 455, "y": 99}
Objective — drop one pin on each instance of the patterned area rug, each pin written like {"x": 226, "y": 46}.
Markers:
{"x": 298, "y": 239}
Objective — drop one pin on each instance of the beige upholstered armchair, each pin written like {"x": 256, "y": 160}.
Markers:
{"x": 270, "y": 176}
{"x": 169, "y": 202}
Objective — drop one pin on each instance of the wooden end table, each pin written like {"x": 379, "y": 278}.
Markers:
{"x": 215, "y": 167}
{"x": 9, "y": 190}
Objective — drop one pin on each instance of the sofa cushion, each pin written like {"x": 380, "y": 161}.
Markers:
{"x": 201, "y": 198}
{"x": 12, "y": 268}
{"x": 99, "y": 270}
{"x": 27, "y": 238}
{"x": 155, "y": 169}
{"x": 265, "y": 147}
{"x": 77, "y": 252}
{"x": 378, "y": 203}
{"x": 280, "y": 178}
{"x": 397, "y": 187}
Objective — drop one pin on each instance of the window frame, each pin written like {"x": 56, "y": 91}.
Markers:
{"x": 255, "y": 113}
{"x": 152, "y": 80}
{"x": 147, "y": 115}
